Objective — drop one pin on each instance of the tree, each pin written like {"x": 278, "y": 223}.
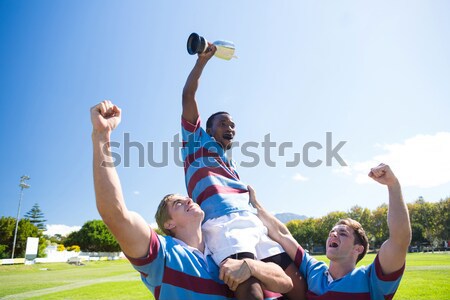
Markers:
{"x": 443, "y": 230}
{"x": 364, "y": 217}
{"x": 379, "y": 227}
{"x": 56, "y": 238}
{"x": 36, "y": 216}
{"x": 430, "y": 224}
{"x": 430, "y": 217}
{"x": 7, "y": 226}
{"x": 325, "y": 224}
{"x": 417, "y": 238}
{"x": 304, "y": 232}
{"x": 25, "y": 229}
{"x": 93, "y": 236}
{"x": 418, "y": 232}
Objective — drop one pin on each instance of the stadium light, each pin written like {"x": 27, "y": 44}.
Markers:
{"x": 23, "y": 185}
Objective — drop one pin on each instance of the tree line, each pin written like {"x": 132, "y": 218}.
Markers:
{"x": 32, "y": 225}
{"x": 430, "y": 223}
{"x": 25, "y": 229}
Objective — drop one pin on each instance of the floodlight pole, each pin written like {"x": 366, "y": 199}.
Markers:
{"x": 22, "y": 185}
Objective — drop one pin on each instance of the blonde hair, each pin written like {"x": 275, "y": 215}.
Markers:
{"x": 162, "y": 214}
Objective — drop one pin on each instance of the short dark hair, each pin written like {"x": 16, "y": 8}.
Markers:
{"x": 359, "y": 233}
{"x": 210, "y": 120}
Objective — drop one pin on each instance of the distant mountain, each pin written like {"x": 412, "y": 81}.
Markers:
{"x": 286, "y": 217}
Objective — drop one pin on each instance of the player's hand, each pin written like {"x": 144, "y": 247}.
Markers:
{"x": 233, "y": 272}
{"x": 273, "y": 225}
{"x": 252, "y": 198}
{"x": 383, "y": 174}
{"x": 105, "y": 117}
{"x": 209, "y": 52}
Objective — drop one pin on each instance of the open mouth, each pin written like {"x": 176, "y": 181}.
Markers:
{"x": 228, "y": 137}
{"x": 333, "y": 245}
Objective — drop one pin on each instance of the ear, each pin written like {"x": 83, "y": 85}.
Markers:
{"x": 359, "y": 249}
{"x": 169, "y": 225}
{"x": 208, "y": 131}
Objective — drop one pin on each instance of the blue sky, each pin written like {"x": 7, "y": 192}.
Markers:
{"x": 375, "y": 75}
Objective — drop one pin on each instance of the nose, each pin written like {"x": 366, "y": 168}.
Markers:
{"x": 332, "y": 234}
{"x": 228, "y": 127}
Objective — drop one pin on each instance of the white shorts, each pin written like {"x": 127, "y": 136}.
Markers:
{"x": 238, "y": 232}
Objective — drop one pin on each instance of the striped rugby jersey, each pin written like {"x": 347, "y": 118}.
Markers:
{"x": 363, "y": 283}
{"x": 173, "y": 270}
{"x": 211, "y": 179}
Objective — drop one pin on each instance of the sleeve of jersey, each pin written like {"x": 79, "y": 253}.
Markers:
{"x": 384, "y": 286}
{"x": 191, "y": 135}
{"x": 188, "y": 129}
{"x": 151, "y": 266}
{"x": 304, "y": 261}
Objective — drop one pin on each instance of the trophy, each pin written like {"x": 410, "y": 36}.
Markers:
{"x": 198, "y": 44}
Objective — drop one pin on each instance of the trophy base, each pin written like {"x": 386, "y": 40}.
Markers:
{"x": 196, "y": 44}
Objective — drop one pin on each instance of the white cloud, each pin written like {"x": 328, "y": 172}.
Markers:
{"x": 346, "y": 170}
{"x": 136, "y": 193}
{"x": 421, "y": 161}
{"x": 299, "y": 177}
{"x": 63, "y": 230}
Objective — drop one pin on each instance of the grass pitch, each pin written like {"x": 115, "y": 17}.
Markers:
{"x": 426, "y": 278}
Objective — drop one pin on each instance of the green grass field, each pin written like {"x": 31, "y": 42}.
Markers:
{"x": 427, "y": 276}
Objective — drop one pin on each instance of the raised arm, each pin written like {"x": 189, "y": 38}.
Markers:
{"x": 190, "y": 110}
{"x": 129, "y": 228}
{"x": 233, "y": 272}
{"x": 392, "y": 253}
{"x": 277, "y": 230}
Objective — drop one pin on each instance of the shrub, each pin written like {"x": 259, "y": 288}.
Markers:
{"x": 75, "y": 248}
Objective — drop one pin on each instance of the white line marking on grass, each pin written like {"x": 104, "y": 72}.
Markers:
{"x": 124, "y": 277}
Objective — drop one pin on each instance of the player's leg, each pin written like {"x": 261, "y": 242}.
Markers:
{"x": 249, "y": 289}
{"x": 298, "y": 292}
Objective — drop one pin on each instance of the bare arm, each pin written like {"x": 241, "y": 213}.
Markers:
{"x": 190, "y": 110}
{"x": 277, "y": 230}
{"x": 392, "y": 253}
{"x": 129, "y": 228}
{"x": 233, "y": 272}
